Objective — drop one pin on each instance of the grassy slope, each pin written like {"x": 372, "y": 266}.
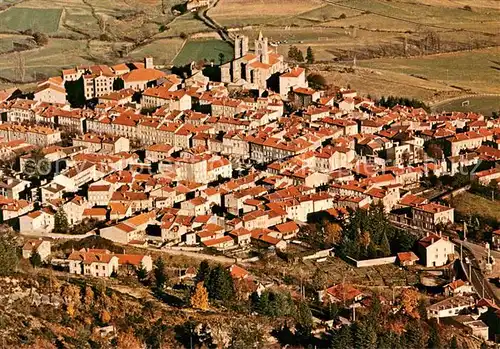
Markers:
{"x": 469, "y": 203}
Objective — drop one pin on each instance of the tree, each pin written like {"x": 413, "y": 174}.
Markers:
{"x": 342, "y": 338}
{"x": 409, "y": 301}
{"x": 159, "y": 273}
{"x": 365, "y": 336}
{"x": 75, "y": 92}
{"x": 41, "y": 39}
{"x": 220, "y": 284}
{"x": 316, "y": 81}
{"x": 199, "y": 299}
{"x": 319, "y": 280}
{"x": 141, "y": 273}
{"x": 434, "y": 340}
{"x": 246, "y": 335}
{"x": 105, "y": 316}
{"x": 221, "y": 58}
{"x": 310, "y": 55}
{"x": 365, "y": 239}
{"x": 435, "y": 151}
{"x": 385, "y": 247}
{"x": 414, "y": 335}
{"x": 118, "y": 84}
{"x": 333, "y": 233}
{"x": 203, "y": 272}
{"x": 8, "y": 254}
{"x": 61, "y": 224}
{"x": 36, "y": 260}
{"x": 295, "y": 54}
{"x": 454, "y": 343}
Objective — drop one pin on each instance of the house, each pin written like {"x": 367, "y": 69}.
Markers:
{"x": 241, "y": 236}
{"x": 458, "y": 288}
{"x": 427, "y": 216}
{"x": 138, "y": 79}
{"x": 41, "y": 221}
{"x": 340, "y": 293}
{"x": 94, "y": 263}
{"x": 50, "y": 93}
{"x": 219, "y": 243}
{"x": 435, "y": 250}
{"x": 450, "y": 307}
{"x": 471, "y": 324}
{"x": 295, "y": 77}
{"x": 238, "y": 272}
{"x": 12, "y": 187}
{"x": 135, "y": 261}
{"x": 42, "y": 247}
{"x": 406, "y": 259}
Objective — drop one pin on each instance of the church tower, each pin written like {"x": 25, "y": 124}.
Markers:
{"x": 262, "y": 49}
{"x": 240, "y": 46}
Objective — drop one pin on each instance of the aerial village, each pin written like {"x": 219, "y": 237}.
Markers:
{"x": 254, "y": 165}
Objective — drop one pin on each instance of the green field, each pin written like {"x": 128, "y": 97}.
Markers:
{"x": 469, "y": 203}
{"x": 203, "y": 49}
{"x": 484, "y": 105}
{"x": 20, "y": 18}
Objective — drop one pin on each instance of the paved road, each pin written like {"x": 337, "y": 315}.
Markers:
{"x": 480, "y": 283}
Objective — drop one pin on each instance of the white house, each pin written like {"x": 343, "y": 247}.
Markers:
{"x": 435, "y": 250}
{"x": 42, "y": 247}
{"x": 41, "y": 221}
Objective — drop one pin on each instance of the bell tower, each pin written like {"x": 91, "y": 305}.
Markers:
{"x": 262, "y": 49}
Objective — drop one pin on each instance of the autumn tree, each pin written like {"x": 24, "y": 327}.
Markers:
{"x": 199, "y": 299}
{"x": 105, "y": 316}
{"x": 409, "y": 301}
{"x": 365, "y": 239}
{"x": 128, "y": 340}
{"x": 333, "y": 233}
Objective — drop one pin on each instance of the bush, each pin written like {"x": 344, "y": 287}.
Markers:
{"x": 467, "y": 8}
{"x": 316, "y": 81}
{"x": 342, "y": 16}
{"x": 183, "y": 36}
{"x": 41, "y": 39}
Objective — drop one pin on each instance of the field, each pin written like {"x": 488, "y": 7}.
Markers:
{"x": 203, "y": 49}
{"x": 468, "y": 203}
{"x": 484, "y": 105}
{"x": 20, "y": 18}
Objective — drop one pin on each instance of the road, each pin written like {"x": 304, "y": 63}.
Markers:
{"x": 480, "y": 283}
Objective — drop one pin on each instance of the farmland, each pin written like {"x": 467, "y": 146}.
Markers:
{"x": 20, "y": 18}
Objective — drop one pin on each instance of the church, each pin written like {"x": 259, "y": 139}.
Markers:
{"x": 252, "y": 70}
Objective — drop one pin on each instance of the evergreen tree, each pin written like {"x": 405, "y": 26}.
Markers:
{"x": 61, "y": 224}
{"x": 434, "y": 340}
{"x": 75, "y": 93}
{"x": 454, "y": 343}
{"x": 159, "y": 273}
{"x": 141, "y": 273}
{"x": 118, "y": 84}
{"x": 203, "y": 272}
{"x": 304, "y": 323}
{"x": 310, "y": 55}
{"x": 36, "y": 260}
{"x": 342, "y": 339}
{"x": 220, "y": 284}
{"x": 365, "y": 336}
{"x": 414, "y": 335}
{"x": 385, "y": 247}
{"x": 8, "y": 254}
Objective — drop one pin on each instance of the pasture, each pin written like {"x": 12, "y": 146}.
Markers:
{"x": 484, "y": 105}
{"x": 203, "y": 49}
{"x": 20, "y": 18}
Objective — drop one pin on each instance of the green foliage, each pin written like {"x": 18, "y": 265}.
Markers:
{"x": 454, "y": 343}
{"x": 342, "y": 339}
{"x": 36, "y": 260}
{"x": 220, "y": 285}
{"x": 273, "y": 303}
{"x": 160, "y": 274}
{"x": 142, "y": 273}
{"x": 61, "y": 225}
{"x": 381, "y": 233}
{"x": 75, "y": 93}
{"x": 8, "y": 254}
{"x": 414, "y": 335}
{"x": 316, "y": 81}
{"x": 310, "y": 55}
{"x": 203, "y": 272}
{"x": 295, "y": 54}
{"x": 434, "y": 340}
{"x": 118, "y": 84}
{"x": 246, "y": 335}
{"x": 392, "y": 101}
{"x": 365, "y": 336}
